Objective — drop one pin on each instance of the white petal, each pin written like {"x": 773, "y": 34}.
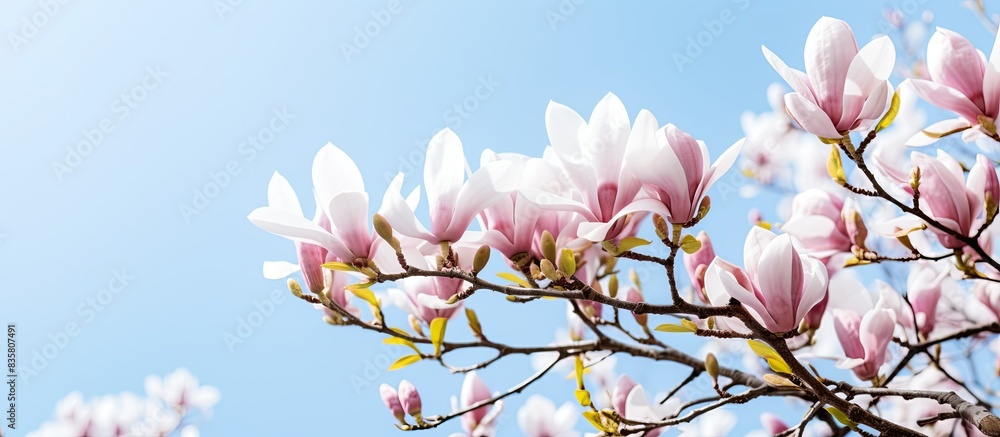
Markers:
{"x": 281, "y": 195}
{"x": 279, "y": 269}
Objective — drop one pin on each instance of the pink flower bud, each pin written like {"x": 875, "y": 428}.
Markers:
{"x": 391, "y": 400}
{"x": 697, "y": 263}
{"x": 409, "y": 398}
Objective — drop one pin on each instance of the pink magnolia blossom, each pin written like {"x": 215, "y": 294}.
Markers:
{"x": 824, "y": 225}
{"x": 540, "y": 418}
{"x": 961, "y": 81}
{"x": 592, "y": 157}
{"x": 482, "y": 420}
{"x": 453, "y": 200}
{"x": 988, "y": 293}
{"x": 674, "y": 169}
{"x": 946, "y": 195}
{"x": 409, "y": 398}
{"x": 341, "y": 225}
{"x": 773, "y": 424}
{"x": 843, "y": 88}
{"x": 697, "y": 263}
{"x": 638, "y": 407}
{"x": 779, "y": 285}
{"x": 391, "y": 400}
{"x": 865, "y": 339}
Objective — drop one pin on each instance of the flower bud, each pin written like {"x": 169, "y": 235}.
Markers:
{"x": 294, "y": 287}
{"x": 632, "y": 295}
{"x": 548, "y": 246}
{"x": 481, "y": 259}
{"x": 712, "y": 366}
{"x": 854, "y": 224}
{"x": 567, "y": 261}
{"x": 549, "y": 270}
{"x": 409, "y": 398}
{"x": 697, "y": 263}
{"x": 391, "y": 400}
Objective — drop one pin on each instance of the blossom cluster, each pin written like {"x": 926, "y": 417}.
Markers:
{"x": 564, "y": 219}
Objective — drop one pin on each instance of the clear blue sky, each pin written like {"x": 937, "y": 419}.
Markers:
{"x": 209, "y": 78}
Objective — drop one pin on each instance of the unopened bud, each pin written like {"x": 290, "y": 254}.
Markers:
{"x": 712, "y": 366}
{"x": 409, "y": 398}
{"x": 854, "y": 224}
{"x": 634, "y": 276}
{"x": 915, "y": 178}
{"x": 295, "y": 288}
{"x": 703, "y": 208}
{"x": 662, "y": 227}
{"x": 835, "y": 167}
{"x": 384, "y": 230}
{"x": 548, "y": 246}
{"x": 567, "y": 261}
{"x": 613, "y": 286}
{"x": 481, "y": 259}
{"x": 549, "y": 270}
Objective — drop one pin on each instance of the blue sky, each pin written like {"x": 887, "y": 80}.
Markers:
{"x": 170, "y": 91}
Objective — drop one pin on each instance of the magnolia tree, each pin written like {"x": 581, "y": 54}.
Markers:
{"x": 173, "y": 406}
{"x": 793, "y": 319}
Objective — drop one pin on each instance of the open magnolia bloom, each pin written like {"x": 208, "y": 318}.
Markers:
{"x": 946, "y": 196}
{"x": 864, "y": 338}
{"x": 779, "y": 285}
{"x": 963, "y": 81}
{"x": 453, "y": 200}
{"x": 592, "y": 157}
{"x": 341, "y": 225}
{"x": 843, "y": 88}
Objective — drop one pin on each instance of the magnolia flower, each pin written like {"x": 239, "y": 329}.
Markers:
{"x": 946, "y": 195}
{"x": 697, "y": 263}
{"x": 426, "y": 297}
{"x": 592, "y": 155}
{"x": 181, "y": 389}
{"x": 865, "y": 339}
{"x": 171, "y": 406}
{"x": 637, "y": 407}
{"x": 843, "y": 89}
{"x": 391, "y": 400}
{"x": 673, "y": 168}
{"x": 989, "y": 294}
{"x": 453, "y": 200}
{"x": 341, "y": 223}
{"x": 481, "y": 421}
{"x": 779, "y": 285}
{"x": 825, "y": 225}
{"x": 515, "y": 224}
{"x": 539, "y": 418}
{"x": 961, "y": 81}
{"x": 409, "y": 398}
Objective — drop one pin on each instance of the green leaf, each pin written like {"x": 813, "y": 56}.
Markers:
{"x": 404, "y": 361}
{"x": 890, "y": 115}
{"x": 514, "y": 278}
{"x": 438, "y": 326}
{"x": 583, "y": 397}
{"x": 670, "y": 327}
{"x": 768, "y": 353}
{"x": 842, "y": 418}
{"x": 401, "y": 342}
{"x": 364, "y": 294}
{"x": 690, "y": 244}
{"x": 474, "y": 325}
{"x": 339, "y": 266}
{"x": 629, "y": 243}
